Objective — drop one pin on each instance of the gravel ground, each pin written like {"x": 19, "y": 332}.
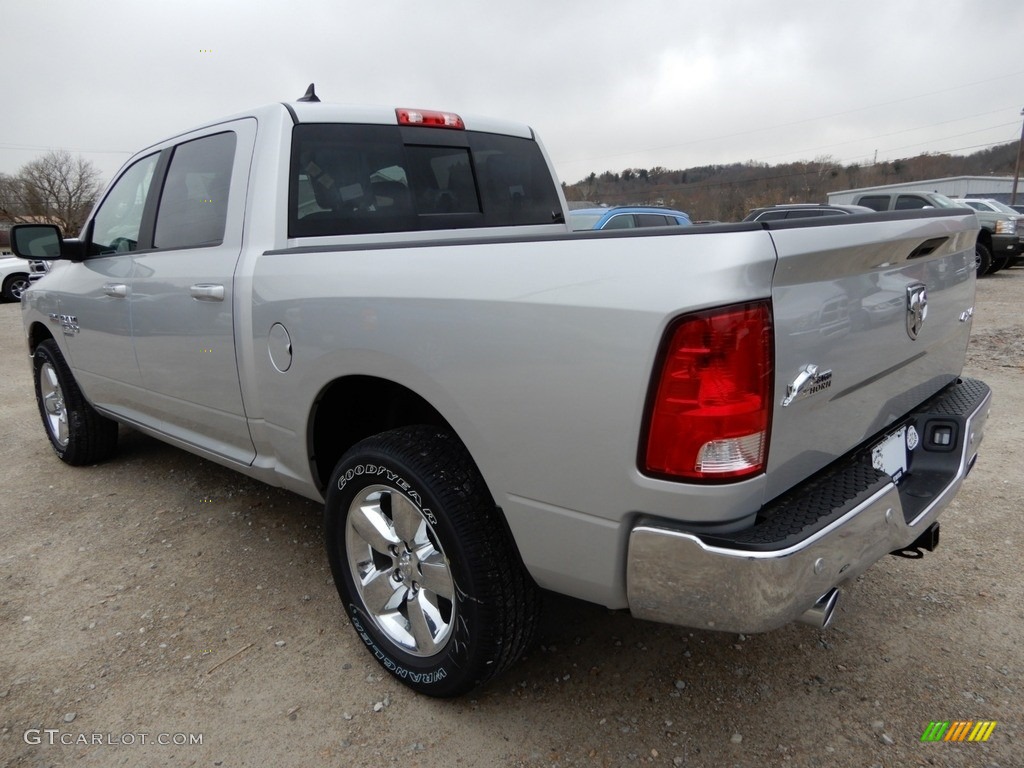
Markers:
{"x": 161, "y": 598}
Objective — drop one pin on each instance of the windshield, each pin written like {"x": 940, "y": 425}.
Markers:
{"x": 1003, "y": 207}
{"x": 584, "y": 220}
{"x": 941, "y": 201}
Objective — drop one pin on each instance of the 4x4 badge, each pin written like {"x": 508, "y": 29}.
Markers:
{"x": 917, "y": 308}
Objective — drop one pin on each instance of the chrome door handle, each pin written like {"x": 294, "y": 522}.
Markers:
{"x": 207, "y": 292}
{"x": 117, "y": 290}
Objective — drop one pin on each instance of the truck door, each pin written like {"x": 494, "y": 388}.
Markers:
{"x": 93, "y": 311}
{"x": 182, "y": 293}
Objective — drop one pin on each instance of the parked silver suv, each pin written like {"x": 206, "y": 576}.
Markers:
{"x": 802, "y": 211}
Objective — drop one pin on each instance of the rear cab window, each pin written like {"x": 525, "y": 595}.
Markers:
{"x": 356, "y": 179}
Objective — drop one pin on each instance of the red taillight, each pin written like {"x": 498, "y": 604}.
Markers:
{"x": 710, "y": 415}
{"x": 430, "y": 118}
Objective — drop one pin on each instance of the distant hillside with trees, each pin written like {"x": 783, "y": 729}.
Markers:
{"x": 728, "y": 192}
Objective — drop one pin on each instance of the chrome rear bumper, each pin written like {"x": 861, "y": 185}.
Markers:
{"x": 823, "y": 533}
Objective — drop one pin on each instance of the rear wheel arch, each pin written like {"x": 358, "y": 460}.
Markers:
{"x": 353, "y": 408}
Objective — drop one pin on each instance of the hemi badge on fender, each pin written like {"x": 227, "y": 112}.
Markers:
{"x": 810, "y": 381}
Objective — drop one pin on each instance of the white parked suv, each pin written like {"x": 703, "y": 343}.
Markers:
{"x": 14, "y": 276}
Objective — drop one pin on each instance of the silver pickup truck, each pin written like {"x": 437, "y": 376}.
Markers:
{"x": 384, "y": 309}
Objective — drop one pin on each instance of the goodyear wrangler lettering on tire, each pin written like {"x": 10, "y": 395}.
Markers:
{"x": 424, "y": 565}
{"x": 370, "y": 469}
{"x": 396, "y": 669}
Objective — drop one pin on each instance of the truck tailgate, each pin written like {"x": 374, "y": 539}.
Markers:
{"x": 872, "y": 316}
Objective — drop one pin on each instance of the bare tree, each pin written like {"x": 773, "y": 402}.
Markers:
{"x": 55, "y": 187}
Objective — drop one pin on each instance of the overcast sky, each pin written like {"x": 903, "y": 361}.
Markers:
{"x": 607, "y": 85}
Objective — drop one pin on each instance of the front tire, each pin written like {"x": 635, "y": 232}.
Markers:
{"x": 424, "y": 565}
{"x": 78, "y": 434}
{"x": 982, "y": 259}
{"x": 14, "y": 286}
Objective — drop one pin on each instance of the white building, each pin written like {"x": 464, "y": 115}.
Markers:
{"x": 996, "y": 187}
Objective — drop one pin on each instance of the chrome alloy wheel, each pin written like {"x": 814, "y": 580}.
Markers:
{"x": 18, "y": 286}
{"x": 400, "y": 570}
{"x": 53, "y": 404}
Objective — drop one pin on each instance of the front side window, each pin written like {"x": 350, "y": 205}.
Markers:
{"x": 194, "y": 201}
{"x": 118, "y": 221}
{"x": 582, "y": 221}
{"x": 621, "y": 221}
{"x": 911, "y": 202}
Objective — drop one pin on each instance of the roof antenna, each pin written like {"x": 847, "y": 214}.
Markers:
{"x": 310, "y": 94}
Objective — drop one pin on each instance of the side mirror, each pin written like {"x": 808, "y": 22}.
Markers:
{"x": 43, "y": 242}
{"x": 36, "y": 241}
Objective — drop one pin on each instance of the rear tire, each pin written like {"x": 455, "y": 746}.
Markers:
{"x": 78, "y": 434}
{"x": 424, "y": 564}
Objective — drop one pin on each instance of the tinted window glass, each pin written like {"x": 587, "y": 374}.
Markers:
{"x": 805, "y": 213}
{"x": 354, "y": 179}
{"x": 348, "y": 179}
{"x": 582, "y": 221}
{"x": 118, "y": 220}
{"x": 622, "y": 221}
{"x": 875, "y": 202}
{"x": 443, "y": 180}
{"x": 653, "y": 220}
{"x": 910, "y": 203}
{"x": 771, "y": 216}
{"x": 194, "y": 201}
{"x": 515, "y": 184}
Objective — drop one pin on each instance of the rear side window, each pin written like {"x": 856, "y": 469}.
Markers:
{"x": 875, "y": 202}
{"x": 653, "y": 220}
{"x": 358, "y": 179}
{"x": 194, "y": 201}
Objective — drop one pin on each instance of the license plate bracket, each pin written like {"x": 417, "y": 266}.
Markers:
{"x": 890, "y": 454}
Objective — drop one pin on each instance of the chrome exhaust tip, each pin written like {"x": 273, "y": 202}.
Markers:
{"x": 820, "y": 614}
